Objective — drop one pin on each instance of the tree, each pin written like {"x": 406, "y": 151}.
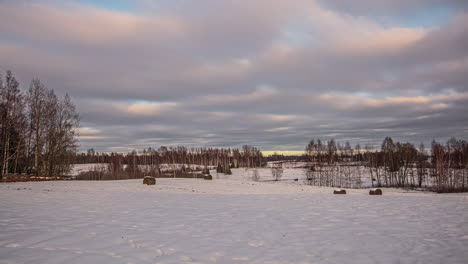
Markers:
{"x": 37, "y": 108}
{"x": 388, "y": 150}
{"x": 331, "y": 148}
{"x": 12, "y": 123}
{"x": 277, "y": 170}
{"x": 66, "y": 134}
{"x": 37, "y": 129}
{"x": 421, "y": 159}
{"x": 406, "y": 155}
{"x": 439, "y": 172}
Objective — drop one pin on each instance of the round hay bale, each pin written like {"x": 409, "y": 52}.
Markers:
{"x": 148, "y": 180}
{"x": 207, "y": 177}
{"x": 339, "y": 191}
{"x": 375, "y": 192}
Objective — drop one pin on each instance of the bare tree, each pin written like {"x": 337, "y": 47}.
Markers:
{"x": 12, "y": 123}
{"x": 421, "y": 160}
{"x": 37, "y": 129}
{"x": 277, "y": 170}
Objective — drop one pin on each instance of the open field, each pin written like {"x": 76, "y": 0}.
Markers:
{"x": 226, "y": 221}
{"x": 355, "y": 176}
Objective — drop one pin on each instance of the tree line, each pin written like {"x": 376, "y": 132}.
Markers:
{"x": 38, "y": 129}
{"x": 178, "y": 160}
{"x": 442, "y": 168}
{"x": 248, "y": 156}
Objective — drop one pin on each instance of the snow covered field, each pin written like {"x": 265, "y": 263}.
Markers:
{"x": 78, "y": 168}
{"x": 226, "y": 221}
{"x": 291, "y": 170}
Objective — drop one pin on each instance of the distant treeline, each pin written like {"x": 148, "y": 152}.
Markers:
{"x": 444, "y": 168}
{"x": 248, "y": 156}
{"x": 149, "y": 162}
{"x": 37, "y": 129}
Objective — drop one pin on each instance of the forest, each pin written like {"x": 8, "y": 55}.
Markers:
{"x": 442, "y": 168}
{"x": 38, "y": 129}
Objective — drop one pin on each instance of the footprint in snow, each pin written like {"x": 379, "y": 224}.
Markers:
{"x": 256, "y": 244}
{"x": 187, "y": 259}
{"x": 164, "y": 252}
{"x": 114, "y": 255}
{"x": 14, "y": 245}
{"x": 135, "y": 244}
{"x": 217, "y": 257}
{"x": 240, "y": 258}
{"x": 49, "y": 249}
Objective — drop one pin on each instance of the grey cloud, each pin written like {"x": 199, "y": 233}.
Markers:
{"x": 198, "y": 76}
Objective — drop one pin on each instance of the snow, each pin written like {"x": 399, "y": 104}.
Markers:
{"x": 76, "y": 169}
{"x": 293, "y": 172}
{"x": 79, "y": 168}
{"x": 226, "y": 221}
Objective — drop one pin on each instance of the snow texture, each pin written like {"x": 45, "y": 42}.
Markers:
{"x": 226, "y": 221}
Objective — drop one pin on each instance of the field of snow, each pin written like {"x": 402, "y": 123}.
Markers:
{"x": 291, "y": 171}
{"x": 226, "y": 221}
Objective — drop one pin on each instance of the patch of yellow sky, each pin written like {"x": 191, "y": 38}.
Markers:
{"x": 267, "y": 153}
{"x": 283, "y": 152}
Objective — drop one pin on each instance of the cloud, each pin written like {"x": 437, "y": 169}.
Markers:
{"x": 75, "y": 25}
{"x": 144, "y": 108}
{"x": 87, "y": 131}
{"x": 349, "y": 101}
{"x": 226, "y": 73}
{"x": 277, "y": 129}
{"x": 281, "y": 117}
{"x": 91, "y": 138}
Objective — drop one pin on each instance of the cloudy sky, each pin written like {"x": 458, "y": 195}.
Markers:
{"x": 271, "y": 73}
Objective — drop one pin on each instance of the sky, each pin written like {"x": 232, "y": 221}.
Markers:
{"x": 269, "y": 73}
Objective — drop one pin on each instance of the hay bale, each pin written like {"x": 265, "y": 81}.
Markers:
{"x": 148, "y": 180}
{"x": 375, "y": 192}
{"x": 207, "y": 177}
{"x": 339, "y": 191}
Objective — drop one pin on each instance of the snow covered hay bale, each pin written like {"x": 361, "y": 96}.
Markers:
{"x": 148, "y": 180}
{"x": 339, "y": 191}
{"x": 375, "y": 192}
{"x": 207, "y": 177}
